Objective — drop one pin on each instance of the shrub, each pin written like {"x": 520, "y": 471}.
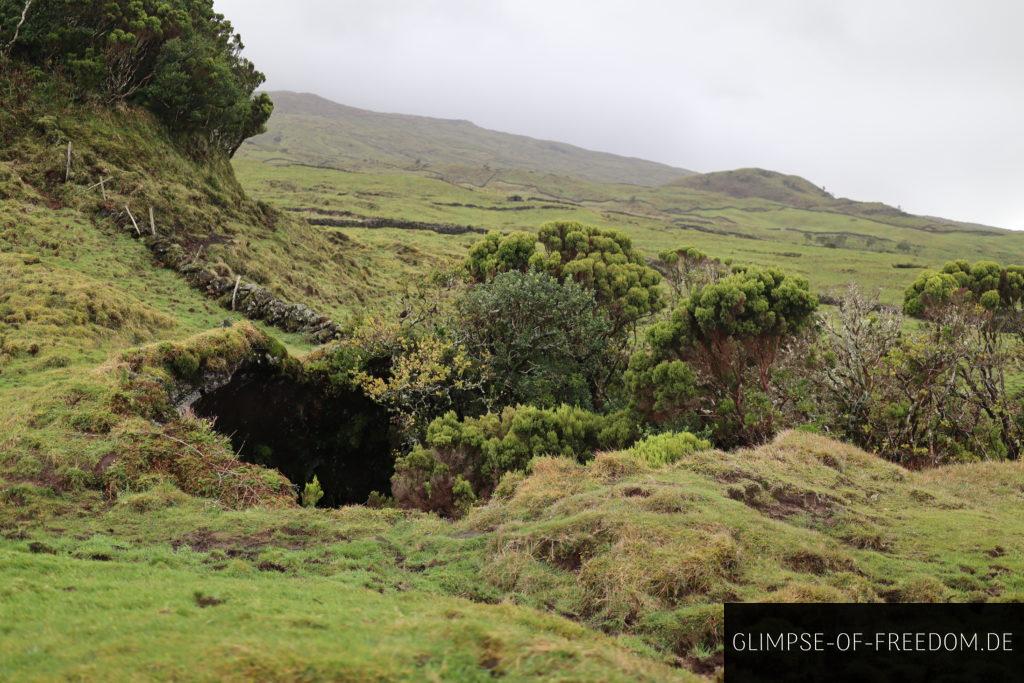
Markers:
{"x": 602, "y": 261}
{"x": 179, "y": 58}
{"x": 920, "y": 397}
{"x": 479, "y": 451}
{"x": 605, "y": 262}
{"x": 711, "y": 365}
{"x": 543, "y": 347}
{"x": 668, "y": 447}
{"x": 497, "y": 253}
{"x": 312, "y": 493}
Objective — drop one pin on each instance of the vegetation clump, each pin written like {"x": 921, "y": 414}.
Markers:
{"x": 666, "y": 448}
{"x": 178, "y": 58}
{"x": 540, "y": 341}
{"x": 463, "y": 460}
{"x": 711, "y": 366}
{"x": 312, "y": 493}
{"x": 940, "y": 392}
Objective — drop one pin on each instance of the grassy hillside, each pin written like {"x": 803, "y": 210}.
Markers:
{"x": 831, "y": 243}
{"x": 367, "y": 176}
{"x": 135, "y": 543}
{"x": 324, "y": 133}
{"x": 610, "y": 571}
{"x": 204, "y": 225}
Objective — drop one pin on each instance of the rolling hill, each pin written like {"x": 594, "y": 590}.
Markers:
{"x": 415, "y": 192}
{"x": 135, "y": 542}
{"x": 323, "y": 133}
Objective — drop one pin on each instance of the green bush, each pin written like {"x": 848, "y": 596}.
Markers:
{"x": 668, "y": 447}
{"x": 712, "y": 364}
{"x": 602, "y": 261}
{"x": 497, "y": 253}
{"x": 479, "y": 451}
{"x": 312, "y": 493}
{"x": 179, "y": 58}
{"x": 546, "y": 345}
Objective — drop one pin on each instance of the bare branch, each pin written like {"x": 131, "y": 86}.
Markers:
{"x": 17, "y": 29}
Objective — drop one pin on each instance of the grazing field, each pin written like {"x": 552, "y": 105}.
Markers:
{"x": 142, "y": 537}
{"x": 750, "y": 216}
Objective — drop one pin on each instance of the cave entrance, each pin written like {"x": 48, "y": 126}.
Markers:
{"x": 303, "y": 430}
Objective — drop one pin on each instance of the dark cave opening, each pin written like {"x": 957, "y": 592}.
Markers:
{"x": 303, "y": 429}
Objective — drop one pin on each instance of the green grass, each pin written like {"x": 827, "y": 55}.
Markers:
{"x": 86, "y": 620}
{"x": 645, "y": 556}
{"x": 876, "y": 253}
{"x": 134, "y": 544}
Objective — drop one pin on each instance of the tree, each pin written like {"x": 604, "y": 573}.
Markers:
{"x": 179, "y": 58}
{"x": 686, "y": 269}
{"x": 602, "y": 261}
{"x": 712, "y": 362}
{"x": 987, "y": 301}
{"x": 542, "y": 342}
{"x": 605, "y": 262}
{"x": 625, "y": 289}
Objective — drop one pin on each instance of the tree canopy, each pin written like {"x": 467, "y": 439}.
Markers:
{"x": 541, "y": 341}
{"x": 994, "y": 287}
{"x": 602, "y": 261}
{"x": 179, "y": 58}
{"x": 711, "y": 362}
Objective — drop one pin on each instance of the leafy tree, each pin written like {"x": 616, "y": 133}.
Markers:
{"x": 686, "y": 269}
{"x": 605, "y": 262}
{"x": 625, "y": 289}
{"x": 179, "y": 58}
{"x": 986, "y": 300}
{"x": 541, "y": 341}
{"x": 602, "y": 261}
{"x": 997, "y": 289}
{"x": 711, "y": 363}
{"x": 497, "y": 253}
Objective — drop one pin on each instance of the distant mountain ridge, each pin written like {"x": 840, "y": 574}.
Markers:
{"x": 311, "y": 129}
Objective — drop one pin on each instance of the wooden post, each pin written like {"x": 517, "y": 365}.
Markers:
{"x": 152, "y": 223}
{"x": 67, "y": 170}
{"x": 137, "y": 231}
{"x": 234, "y": 294}
{"x": 103, "y": 189}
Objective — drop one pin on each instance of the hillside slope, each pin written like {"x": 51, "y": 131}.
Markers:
{"x": 797, "y": 192}
{"x": 354, "y": 175}
{"x": 309, "y": 129}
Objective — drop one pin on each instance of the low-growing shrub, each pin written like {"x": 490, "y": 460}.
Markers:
{"x": 312, "y": 493}
{"x": 666, "y": 448}
{"x": 463, "y": 460}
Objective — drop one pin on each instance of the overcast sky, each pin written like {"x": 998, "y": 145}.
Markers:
{"x": 918, "y": 103}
